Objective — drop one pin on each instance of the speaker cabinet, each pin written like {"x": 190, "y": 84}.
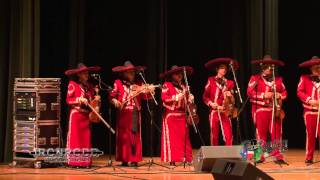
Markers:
{"x": 207, "y": 155}
{"x": 226, "y": 169}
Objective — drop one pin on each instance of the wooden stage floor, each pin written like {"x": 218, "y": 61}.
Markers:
{"x": 296, "y": 170}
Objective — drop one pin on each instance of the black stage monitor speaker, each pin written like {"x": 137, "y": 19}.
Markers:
{"x": 206, "y": 156}
{"x": 226, "y": 169}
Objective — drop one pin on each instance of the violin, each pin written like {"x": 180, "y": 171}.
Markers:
{"x": 95, "y": 104}
{"x": 228, "y": 102}
{"x": 229, "y": 107}
{"x": 279, "y": 111}
{"x": 193, "y": 115}
{"x": 315, "y": 78}
{"x": 191, "y": 109}
{"x": 136, "y": 90}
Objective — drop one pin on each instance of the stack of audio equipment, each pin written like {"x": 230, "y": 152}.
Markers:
{"x": 36, "y": 117}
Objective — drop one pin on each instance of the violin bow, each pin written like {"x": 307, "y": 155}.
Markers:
{"x": 185, "y": 98}
{"x": 101, "y": 118}
{"x": 137, "y": 94}
{"x": 274, "y": 104}
{"x": 145, "y": 82}
{"x": 220, "y": 120}
{"x": 236, "y": 81}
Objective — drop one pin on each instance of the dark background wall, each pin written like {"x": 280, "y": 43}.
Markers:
{"x": 159, "y": 34}
{"x": 298, "y": 41}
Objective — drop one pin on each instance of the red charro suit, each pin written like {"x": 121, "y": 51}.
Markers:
{"x": 309, "y": 90}
{"x": 128, "y": 130}
{"x": 174, "y": 126}
{"x": 214, "y": 93}
{"x": 262, "y": 109}
{"x": 79, "y": 135}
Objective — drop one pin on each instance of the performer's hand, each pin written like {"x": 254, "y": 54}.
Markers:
{"x": 313, "y": 102}
{"x": 191, "y": 98}
{"x": 227, "y": 93}
{"x": 268, "y": 95}
{"x": 179, "y": 96}
{"x": 116, "y": 103}
{"x": 213, "y": 105}
{"x": 278, "y": 95}
{"x": 97, "y": 98}
{"x": 220, "y": 108}
{"x": 151, "y": 89}
{"x": 83, "y": 100}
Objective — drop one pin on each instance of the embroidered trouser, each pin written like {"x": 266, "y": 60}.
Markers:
{"x": 215, "y": 125}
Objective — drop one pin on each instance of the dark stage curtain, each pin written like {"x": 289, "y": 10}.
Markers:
{"x": 19, "y": 57}
{"x": 298, "y": 41}
{"x": 198, "y": 32}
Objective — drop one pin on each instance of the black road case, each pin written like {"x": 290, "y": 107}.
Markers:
{"x": 36, "y": 118}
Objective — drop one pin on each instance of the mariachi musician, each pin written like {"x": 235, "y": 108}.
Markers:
{"x": 219, "y": 96}
{"x": 309, "y": 92}
{"x": 80, "y": 94}
{"x": 266, "y": 92}
{"x": 126, "y": 96}
{"x": 175, "y": 141}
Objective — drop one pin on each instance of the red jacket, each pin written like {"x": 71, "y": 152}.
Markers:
{"x": 75, "y": 91}
{"x": 308, "y": 90}
{"x": 258, "y": 86}
{"x": 121, "y": 92}
{"x": 169, "y": 97}
{"x": 214, "y": 92}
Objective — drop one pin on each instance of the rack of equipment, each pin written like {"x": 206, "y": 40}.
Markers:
{"x": 36, "y": 118}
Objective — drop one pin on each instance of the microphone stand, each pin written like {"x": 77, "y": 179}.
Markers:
{"x": 274, "y": 116}
{"x": 317, "y": 124}
{"x": 236, "y": 82}
{"x": 188, "y": 114}
{"x": 107, "y": 89}
{"x": 239, "y": 138}
{"x": 255, "y": 86}
{"x": 275, "y": 103}
{"x": 152, "y": 125}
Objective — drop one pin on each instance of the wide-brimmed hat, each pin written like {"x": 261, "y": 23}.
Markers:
{"x": 267, "y": 59}
{"x": 212, "y": 64}
{"x": 313, "y": 61}
{"x": 127, "y": 66}
{"x": 175, "y": 69}
{"x": 82, "y": 68}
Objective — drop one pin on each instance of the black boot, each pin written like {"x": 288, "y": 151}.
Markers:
{"x": 125, "y": 164}
{"x": 172, "y": 164}
{"x": 134, "y": 164}
{"x": 281, "y": 162}
{"x": 308, "y": 162}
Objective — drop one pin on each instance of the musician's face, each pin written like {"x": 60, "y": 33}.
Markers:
{"x": 222, "y": 70}
{"x": 177, "y": 77}
{"x": 129, "y": 75}
{"x": 315, "y": 70}
{"x": 266, "y": 69}
{"x": 83, "y": 76}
